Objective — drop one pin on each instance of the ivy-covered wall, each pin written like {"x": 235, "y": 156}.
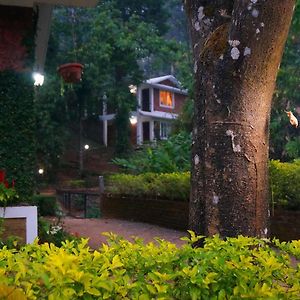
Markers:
{"x": 17, "y": 114}
{"x": 17, "y": 124}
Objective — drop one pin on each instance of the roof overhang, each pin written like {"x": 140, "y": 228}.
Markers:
{"x": 159, "y": 114}
{"x": 31, "y": 3}
{"x": 165, "y": 88}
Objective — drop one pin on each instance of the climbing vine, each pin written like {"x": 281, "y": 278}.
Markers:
{"x": 17, "y": 144}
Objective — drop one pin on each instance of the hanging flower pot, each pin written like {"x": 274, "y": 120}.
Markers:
{"x": 71, "y": 73}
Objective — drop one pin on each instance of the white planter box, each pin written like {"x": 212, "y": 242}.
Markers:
{"x": 27, "y": 212}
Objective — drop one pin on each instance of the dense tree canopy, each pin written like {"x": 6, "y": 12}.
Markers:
{"x": 120, "y": 43}
{"x": 284, "y": 141}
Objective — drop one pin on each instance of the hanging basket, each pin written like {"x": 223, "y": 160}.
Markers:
{"x": 71, "y": 73}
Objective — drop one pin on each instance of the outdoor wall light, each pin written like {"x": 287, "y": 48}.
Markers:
{"x": 41, "y": 171}
{"x": 38, "y": 79}
{"x": 132, "y": 89}
{"x": 86, "y": 147}
{"x": 133, "y": 120}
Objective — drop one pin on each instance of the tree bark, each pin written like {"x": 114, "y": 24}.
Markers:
{"x": 237, "y": 49}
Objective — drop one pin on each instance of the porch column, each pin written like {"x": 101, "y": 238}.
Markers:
{"x": 105, "y": 133}
{"x": 151, "y": 99}
{"x": 151, "y": 128}
{"x": 139, "y": 130}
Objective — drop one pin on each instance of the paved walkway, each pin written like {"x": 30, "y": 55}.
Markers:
{"x": 92, "y": 228}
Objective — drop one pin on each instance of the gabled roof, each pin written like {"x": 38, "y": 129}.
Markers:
{"x": 163, "y": 78}
{"x": 157, "y": 83}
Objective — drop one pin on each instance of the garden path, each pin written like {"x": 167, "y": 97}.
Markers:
{"x": 92, "y": 228}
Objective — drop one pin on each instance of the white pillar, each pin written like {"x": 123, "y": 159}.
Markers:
{"x": 151, "y": 99}
{"x": 151, "y": 128}
{"x": 139, "y": 130}
{"x": 105, "y": 133}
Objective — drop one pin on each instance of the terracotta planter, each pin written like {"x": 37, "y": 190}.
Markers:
{"x": 71, "y": 73}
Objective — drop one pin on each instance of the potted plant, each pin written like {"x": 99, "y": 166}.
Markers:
{"x": 71, "y": 72}
{"x": 18, "y": 220}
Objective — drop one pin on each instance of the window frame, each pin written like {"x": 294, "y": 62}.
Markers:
{"x": 167, "y": 130}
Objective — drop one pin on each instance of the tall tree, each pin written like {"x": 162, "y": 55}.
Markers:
{"x": 237, "y": 48}
{"x": 284, "y": 139}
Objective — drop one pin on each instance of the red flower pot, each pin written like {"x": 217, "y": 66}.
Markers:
{"x": 71, "y": 73}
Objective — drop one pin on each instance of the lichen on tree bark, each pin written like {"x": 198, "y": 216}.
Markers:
{"x": 237, "y": 48}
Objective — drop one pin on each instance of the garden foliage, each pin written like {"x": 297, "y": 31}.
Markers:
{"x": 168, "y": 156}
{"x": 171, "y": 186}
{"x": 47, "y": 205}
{"x": 8, "y": 193}
{"x": 285, "y": 183}
{"x": 235, "y": 268}
{"x": 284, "y": 140}
{"x": 17, "y": 125}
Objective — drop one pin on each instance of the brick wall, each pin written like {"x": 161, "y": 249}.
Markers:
{"x": 179, "y": 100}
{"x": 14, "y": 227}
{"x": 172, "y": 214}
{"x": 285, "y": 225}
{"x": 15, "y": 24}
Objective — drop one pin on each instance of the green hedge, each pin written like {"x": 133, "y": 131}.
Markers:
{"x": 47, "y": 205}
{"x": 17, "y": 127}
{"x": 285, "y": 184}
{"x": 238, "y": 268}
{"x": 171, "y": 185}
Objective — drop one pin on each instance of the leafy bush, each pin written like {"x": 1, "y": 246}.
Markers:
{"x": 8, "y": 193}
{"x": 53, "y": 232}
{"x": 236, "y": 268}
{"x": 17, "y": 126}
{"x": 168, "y": 156}
{"x": 292, "y": 148}
{"x": 172, "y": 185}
{"x": 285, "y": 183}
{"x": 76, "y": 183}
{"x": 47, "y": 205}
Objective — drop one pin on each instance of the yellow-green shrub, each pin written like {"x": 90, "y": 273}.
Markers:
{"x": 170, "y": 185}
{"x": 238, "y": 268}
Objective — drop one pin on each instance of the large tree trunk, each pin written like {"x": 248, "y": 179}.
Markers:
{"x": 237, "y": 48}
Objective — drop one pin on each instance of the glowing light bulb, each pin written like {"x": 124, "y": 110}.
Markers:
{"x": 133, "y": 120}
{"x": 38, "y": 79}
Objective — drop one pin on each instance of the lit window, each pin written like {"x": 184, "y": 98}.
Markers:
{"x": 166, "y": 99}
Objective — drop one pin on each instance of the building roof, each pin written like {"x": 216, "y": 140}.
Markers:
{"x": 157, "y": 83}
{"x": 163, "y": 78}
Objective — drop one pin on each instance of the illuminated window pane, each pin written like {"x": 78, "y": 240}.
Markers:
{"x": 166, "y": 98}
